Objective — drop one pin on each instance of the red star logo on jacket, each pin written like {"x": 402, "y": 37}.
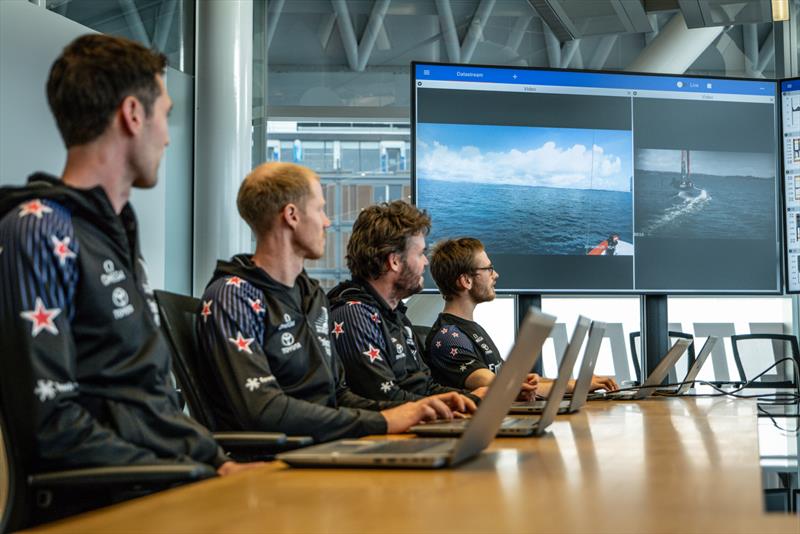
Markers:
{"x": 373, "y": 354}
{"x": 242, "y": 343}
{"x": 34, "y": 207}
{"x": 338, "y": 329}
{"x": 256, "y": 306}
{"x": 234, "y": 281}
{"x": 42, "y": 318}
{"x": 375, "y": 318}
{"x": 206, "y": 311}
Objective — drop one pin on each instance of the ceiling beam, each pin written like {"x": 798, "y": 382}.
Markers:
{"x": 750, "y": 41}
{"x": 449, "y": 32}
{"x": 518, "y": 33}
{"x": 552, "y": 46}
{"x": 675, "y": 48}
{"x": 475, "y": 32}
{"x": 603, "y": 50}
{"x": 358, "y": 53}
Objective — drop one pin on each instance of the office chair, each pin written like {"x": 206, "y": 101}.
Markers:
{"x": 178, "y": 320}
{"x": 422, "y": 334}
{"x": 781, "y": 377}
{"x": 28, "y": 498}
{"x": 633, "y": 336}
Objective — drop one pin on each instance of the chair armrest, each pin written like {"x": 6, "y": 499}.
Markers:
{"x": 127, "y": 474}
{"x": 249, "y": 439}
{"x": 296, "y": 442}
{"x": 258, "y": 446}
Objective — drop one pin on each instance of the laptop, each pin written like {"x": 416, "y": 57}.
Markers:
{"x": 577, "y": 399}
{"x": 694, "y": 370}
{"x": 564, "y": 371}
{"x": 653, "y": 381}
{"x": 522, "y": 426}
{"x": 441, "y": 452}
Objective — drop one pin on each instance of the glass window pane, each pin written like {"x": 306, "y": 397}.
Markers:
{"x": 354, "y": 199}
{"x": 620, "y": 313}
{"x": 164, "y": 26}
{"x": 350, "y": 157}
{"x": 287, "y": 151}
{"x": 370, "y": 157}
{"x": 380, "y": 193}
{"x": 724, "y": 317}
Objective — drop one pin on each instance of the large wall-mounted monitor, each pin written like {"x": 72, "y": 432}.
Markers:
{"x": 790, "y": 141}
{"x": 602, "y": 182}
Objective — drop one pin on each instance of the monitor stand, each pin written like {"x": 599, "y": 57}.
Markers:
{"x": 523, "y": 302}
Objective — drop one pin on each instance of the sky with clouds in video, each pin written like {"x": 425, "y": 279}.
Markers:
{"x": 567, "y": 158}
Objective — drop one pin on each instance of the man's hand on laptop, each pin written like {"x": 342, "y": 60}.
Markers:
{"x": 403, "y": 417}
{"x": 603, "y": 382}
{"x": 528, "y": 390}
{"x": 457, "y": 402}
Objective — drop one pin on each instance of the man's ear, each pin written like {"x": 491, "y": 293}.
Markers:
{"x": 395, "y": 262}
{"x": 464, "y": 281}
{"x": 291, "y": 215}
{"x": 131, "y": 115}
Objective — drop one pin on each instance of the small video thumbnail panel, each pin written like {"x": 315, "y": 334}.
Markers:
{"x": 702, "y": 194}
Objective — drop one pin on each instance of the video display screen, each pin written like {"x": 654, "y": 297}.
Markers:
{"x": 602, "y": 182}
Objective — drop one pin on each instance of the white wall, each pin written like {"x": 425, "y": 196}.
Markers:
{"x": 31, "y": 38}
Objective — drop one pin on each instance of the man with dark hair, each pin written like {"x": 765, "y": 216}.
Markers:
{"x": 81, "y": 356}
{"x": 266, "y": 330}
{"x": 381, "y": 353}
{"x": 460, "y": 352}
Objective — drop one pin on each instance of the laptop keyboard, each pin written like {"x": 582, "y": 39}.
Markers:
{"x": 404, "y": 446}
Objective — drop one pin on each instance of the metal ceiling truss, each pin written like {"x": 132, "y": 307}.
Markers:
{"x": 462, "y": 52}
{"x": 700, "y": 13}
{"x": 631, "y": 14}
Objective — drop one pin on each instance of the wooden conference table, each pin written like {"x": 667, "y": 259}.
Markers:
{"x": 660, "y": 465}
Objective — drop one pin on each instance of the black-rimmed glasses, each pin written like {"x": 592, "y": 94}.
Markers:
{"x": 489, "y": 269}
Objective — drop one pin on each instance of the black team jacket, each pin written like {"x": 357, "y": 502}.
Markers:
{"x": 269, "y": 361}
{"x": 82, "y": 357}
{"x": 381, "y": 353}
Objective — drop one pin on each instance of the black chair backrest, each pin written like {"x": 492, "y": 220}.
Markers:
{"x": 18, "y": 434}
{"x": 7, "y": 487}
{"x": 633, "y": 336}
{"x": 422, "y": 333}
{"x": 178, "y": 320}
{"x": 784, "y": 375}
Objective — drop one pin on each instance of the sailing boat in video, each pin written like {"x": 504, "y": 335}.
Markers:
{"x": 685, "y": 186}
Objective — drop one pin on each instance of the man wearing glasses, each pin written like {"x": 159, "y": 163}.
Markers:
{"x": 381, "y": 354}
{"x": 460, "y": 352}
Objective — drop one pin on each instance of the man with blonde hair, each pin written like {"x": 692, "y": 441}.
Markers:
{"x": 266, "y": 330}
